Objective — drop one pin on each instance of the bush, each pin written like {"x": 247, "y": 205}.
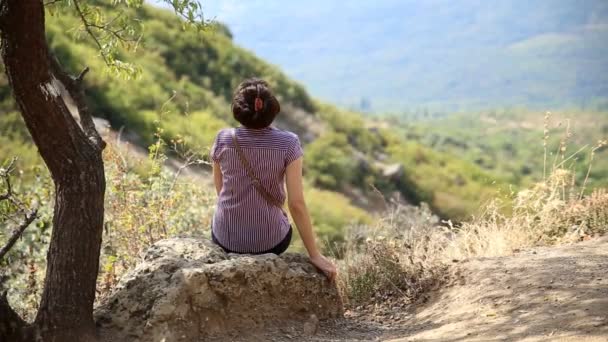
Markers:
{"x": 22, "y": 269}
{"x": 145, "y": 202}
{"x": 408, "y": 251}
{"x": 329, "y": 162}
{"x": 397, "y": 257}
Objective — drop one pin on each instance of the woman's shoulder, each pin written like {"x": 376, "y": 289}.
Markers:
{"x": 223, "y": 137}
{"x": 224, "y": 133}
{"x": 286, "y": 135}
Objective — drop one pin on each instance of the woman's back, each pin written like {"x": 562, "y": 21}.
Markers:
{"x": 248, "y": 218}
{"x": 244, "y": 220}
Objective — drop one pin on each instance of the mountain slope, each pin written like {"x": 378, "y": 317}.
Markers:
{"x": 437, "y": 54}
{"x": 183, "y": 94}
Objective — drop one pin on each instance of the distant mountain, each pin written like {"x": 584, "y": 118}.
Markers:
{"x": 436, "y": 54}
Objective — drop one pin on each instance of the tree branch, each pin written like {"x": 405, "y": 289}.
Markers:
{"x": 81, "y": 76}
{"x": 87, "y": 27}
{"x": 52, "y": 2}
{"x": 11, "y": 324}
{"x": 107, "y": 27}
{"x": 28, "y": 218}
{"x": 190, "y": 11}
{"x": 17, "y": 232}
{"x": 75, "y": 88}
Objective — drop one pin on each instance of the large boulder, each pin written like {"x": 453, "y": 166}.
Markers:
{"x": 189, "y": 289}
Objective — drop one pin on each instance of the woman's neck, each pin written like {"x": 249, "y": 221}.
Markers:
{"x": 256, "y": 129}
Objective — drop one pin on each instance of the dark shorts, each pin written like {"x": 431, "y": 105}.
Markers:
{"x": 278, "y": 249}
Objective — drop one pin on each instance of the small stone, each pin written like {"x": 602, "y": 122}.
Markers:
{"x": 311, "y": 326}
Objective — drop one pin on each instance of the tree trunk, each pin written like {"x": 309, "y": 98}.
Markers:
{"x": 72, "y": 152}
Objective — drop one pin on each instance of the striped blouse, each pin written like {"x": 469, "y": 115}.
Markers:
{"x": 244, "y": 221}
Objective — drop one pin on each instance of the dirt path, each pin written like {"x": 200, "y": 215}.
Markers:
{"x": 544, "y": 294}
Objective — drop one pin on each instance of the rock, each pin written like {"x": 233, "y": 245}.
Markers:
{"x": 101, "y": 125}
{"x": 189, "y": 289}
{"x": 393, "y": 171}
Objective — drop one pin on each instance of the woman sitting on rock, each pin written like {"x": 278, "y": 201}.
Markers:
{"x": 250, "y": 165}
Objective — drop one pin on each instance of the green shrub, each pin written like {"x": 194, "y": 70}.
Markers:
{"x": 329, "y": 161}
{"x": 331, "y": 213}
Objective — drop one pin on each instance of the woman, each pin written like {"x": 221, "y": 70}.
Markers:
{"x": 250, "y": 165}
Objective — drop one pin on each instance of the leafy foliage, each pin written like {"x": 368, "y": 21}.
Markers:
{"x": 144, "y": 207}
{"x": 408, "y": 251}
{"x": 329, "y": 161}
{"x": 396, "y": 257}
{"x": 22, "y": 269}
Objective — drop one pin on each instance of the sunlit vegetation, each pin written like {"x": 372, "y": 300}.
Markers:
{"x": 508, "y": 143}
{"x": 188, "y": 95}
{"x": 407, "y": 252}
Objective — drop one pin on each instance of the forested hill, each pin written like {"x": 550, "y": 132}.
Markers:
{"x": 183, "y": 91}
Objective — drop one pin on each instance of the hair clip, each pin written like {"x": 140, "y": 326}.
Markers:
{"x": 259, "y": 104}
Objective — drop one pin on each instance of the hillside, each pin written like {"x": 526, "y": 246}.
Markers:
{"x": 509, "y": 142}
{"x": 394, "y": 55}
{"x": 182, "y": 95}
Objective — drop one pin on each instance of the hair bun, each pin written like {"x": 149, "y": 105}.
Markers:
{"x": 253, "y": 104}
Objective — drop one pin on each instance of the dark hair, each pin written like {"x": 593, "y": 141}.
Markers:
{"x": 246, "y": 95}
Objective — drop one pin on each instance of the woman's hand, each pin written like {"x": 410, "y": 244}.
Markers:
{"x": 325, "y": 266}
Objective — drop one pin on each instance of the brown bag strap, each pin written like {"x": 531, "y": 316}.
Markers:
{"x": 254, "y": 179}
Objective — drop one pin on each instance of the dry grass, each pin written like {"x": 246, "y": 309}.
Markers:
{"x": 541, "y": 216}
{"x": 409, "y": 251}
{"x": 397, "y": 256}
{"x": 405, "y": 257}
{"x": 146, "y": 202}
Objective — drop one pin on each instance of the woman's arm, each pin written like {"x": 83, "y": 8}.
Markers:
{"x": 299, "y": 213}
{"x": 217, "y": 177}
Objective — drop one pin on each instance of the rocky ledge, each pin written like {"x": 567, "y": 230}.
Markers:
{"x": 189, "y": 289}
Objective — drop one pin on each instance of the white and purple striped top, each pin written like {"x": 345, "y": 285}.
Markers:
{"x": 244, "y": 221}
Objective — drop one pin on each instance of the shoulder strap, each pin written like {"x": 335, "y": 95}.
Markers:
{"x": 254, "y": 179}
